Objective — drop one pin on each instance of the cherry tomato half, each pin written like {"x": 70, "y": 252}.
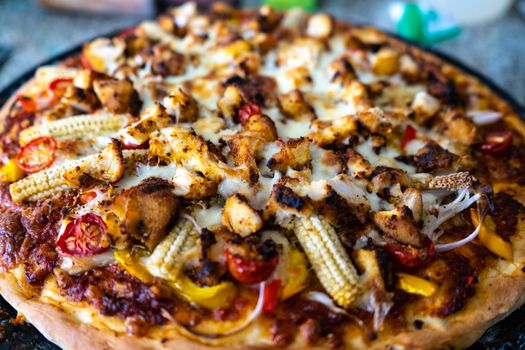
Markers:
{"x": 37, "y": 154}
{"x": 127, "y": 32}
{"x": 28, "y": 103}
{"x": 250, "y": 271}
{"x": 409, "y": 135}
{"x": 271, "y": 296}
{"x": 497, "y": 142}
{"x": 246, "y": 111}
{"x": 85, "y": 236}
{"x": 410, "y": 256}
{"x": 59, "y": 86}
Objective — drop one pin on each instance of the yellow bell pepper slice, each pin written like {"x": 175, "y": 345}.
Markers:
{"x": 490, "y": 239}
{"x": 11, "y": 172}
{"x": 218, "y": 296}
{"x": 296, "y": 274}
{"x": 416, "y": 285}
{"x": 214, "y": 297}
{"x": 129, "y": 262}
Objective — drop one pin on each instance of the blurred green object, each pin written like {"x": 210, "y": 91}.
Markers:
{"x": 411, "y": 25}
{"x": 307, "y": 5}
{"x": 425, "y": 26}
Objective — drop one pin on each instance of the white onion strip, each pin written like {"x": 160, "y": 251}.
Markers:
{"x": 449, "y": 246}
{"x": 484, "y": 117}
{"x": 206, "y": 336}
{"x": 447, "y": 211}
{"x": 324, "y": 299}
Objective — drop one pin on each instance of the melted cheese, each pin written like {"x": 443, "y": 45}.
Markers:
{"x": 146, "y": 171}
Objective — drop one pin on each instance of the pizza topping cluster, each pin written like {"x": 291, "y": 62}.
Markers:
{"x": 257, "y": 169}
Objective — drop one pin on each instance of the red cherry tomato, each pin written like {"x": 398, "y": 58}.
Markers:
{"x": 250, "y": 271}
{"x": 246, "y": 111}
{"x": 409, "y": 135}
{"x": 85, "y": 236}
{"x": 497, "y": 142}
{"x": 37, "y": 154}
{"x": 271, "y": 296}
{"x": 28, "y": 103}
{"x": 85, "y": 62}
{"x": 410, "y": 256}
{"x": 59, "y": 86}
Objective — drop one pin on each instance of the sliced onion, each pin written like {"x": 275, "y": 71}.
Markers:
{"x": 324, "y": 299}
{"x": 209, "y": 336}
{"x": 484, "y": 117}
{"x": 449, "y": 246}
{"x": 447, "y": 211}
{"x": 193, "y": 221}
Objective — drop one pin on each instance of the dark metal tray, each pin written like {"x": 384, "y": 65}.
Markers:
{"x": 505, "y": 335}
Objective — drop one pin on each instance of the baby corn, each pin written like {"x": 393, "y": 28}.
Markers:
{"x": 168, "y": 257}
{"x": 78, "y": 126}
{"x": 328, "y": 258}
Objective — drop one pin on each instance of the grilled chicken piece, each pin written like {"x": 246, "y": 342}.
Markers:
{"x": 430, "y": 158}
{"x": 81, "y": 99}
{"x": 148, "y": 210}
{"x": 342, "y": 71}
{"x": 230, "y": 102}
{"x": 185, "y": 148}
{"x": 294, "y": 106}
{"x": 413, "y": 200}
{"x": 108, "y": 166}
{"x": 166, "y": 62}
{"x": 425, "y": 106}
{"x": 181, "y": 106}
{"x": 326, "y": 133}
{"x": 153, "y": 118}
{"x": 239, "y": 216}
{"x": 243, "y": 149}
{"x": 295, "y": 78}
{"x": 384, "y": 178}
{"x": 301, "y": 52}
{"x": 192, "y": 185}
{"x": 355, "y": 93}
{"x": 399, "y": 224}
{"x": 260, "y": 126}
{"x": 257, "y": 89}
{"x": 357, "y": 165}
{"x": 284, "y": 202}
{"x": 294, "y": 154}
{"x": 375, "y": 121}
{"x": 320, "y": 26}
{"x": 461, "y": 128}
{"x": 385, "y": 62}
{"x": 117, "y": 96}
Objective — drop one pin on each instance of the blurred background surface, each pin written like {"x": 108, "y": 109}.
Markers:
{"x": 495, "y": 47}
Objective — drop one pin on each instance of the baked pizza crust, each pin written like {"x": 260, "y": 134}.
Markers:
{"x": 496, "y": 297}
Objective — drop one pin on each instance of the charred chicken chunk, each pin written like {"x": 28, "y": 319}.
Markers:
{"x": 430, "y": 158}
{"x": 148, "y": 210}
{"x": 326, "y": 133}
{"x": 83, "y": 100}
{"x": 399, "y": 224}
{"x": 239, "y": 217}
{"x": 117, "y": 96}
{"x": 154, "y": 118}
{"x": 294, "y": 106}
{"x": 181, "y": 106}
{"x": 294, "y": 154}
{"x": 166, "y": 62}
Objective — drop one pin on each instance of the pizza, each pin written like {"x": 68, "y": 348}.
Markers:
{"x": 260, "y": 179}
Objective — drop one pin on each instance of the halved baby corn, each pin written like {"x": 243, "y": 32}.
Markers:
{"x": 168, "y": 257}
{"x": 328, "y": 258}
{"x": 42, "y": 184}
{"x": 53, "y": 180}
{"x": 77, "y": 126}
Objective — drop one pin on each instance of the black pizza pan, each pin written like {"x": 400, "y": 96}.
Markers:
{"x": 505, "y": 335}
